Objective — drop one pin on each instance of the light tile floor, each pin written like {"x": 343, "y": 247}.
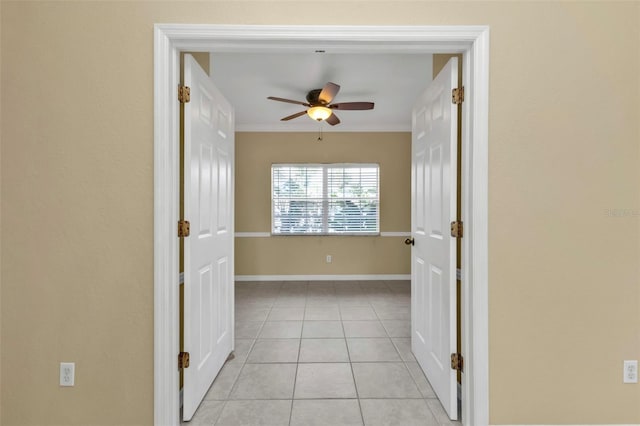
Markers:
{"x": 322, "y": 354}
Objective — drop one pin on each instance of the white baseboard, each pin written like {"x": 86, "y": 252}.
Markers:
{"x": 386, "y": 277}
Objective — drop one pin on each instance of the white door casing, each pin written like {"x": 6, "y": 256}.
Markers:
{"x": 208, "y": 251}
{"x": 433, "y": 257}
{"x": 473, "y": 41}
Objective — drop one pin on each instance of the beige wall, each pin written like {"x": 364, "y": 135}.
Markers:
{"x": 77, "y": 202}
{"x": 256, "y": 152}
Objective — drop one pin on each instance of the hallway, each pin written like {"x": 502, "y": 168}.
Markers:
{"x": 322, "y": 353}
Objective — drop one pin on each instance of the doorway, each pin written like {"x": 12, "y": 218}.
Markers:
{"x": 472, "y": 42}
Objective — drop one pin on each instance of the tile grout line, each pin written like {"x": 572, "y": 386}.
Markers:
{"x": 346, "y": 343}
{"x": 295, "y": 377}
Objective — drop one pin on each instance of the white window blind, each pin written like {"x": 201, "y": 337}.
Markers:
{"x": 325, "y": 199}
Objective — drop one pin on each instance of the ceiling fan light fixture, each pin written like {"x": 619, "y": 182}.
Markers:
{"x": 319, "y": 113}
{"x": 319, "y": 102}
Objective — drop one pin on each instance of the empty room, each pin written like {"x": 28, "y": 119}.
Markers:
{"x": 323, "y": 234}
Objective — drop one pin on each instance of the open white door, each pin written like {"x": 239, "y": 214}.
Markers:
{"x": 433, "y": 208}
{"x": 208, "y": 251}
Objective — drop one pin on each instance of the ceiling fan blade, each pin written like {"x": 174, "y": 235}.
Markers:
{"x": 353, "y": 106}
{"x": 273, "y": 98}
{"x": 333, "y": 119}
{"x": 329, "y": 91}
{"x": 292, "y": 116}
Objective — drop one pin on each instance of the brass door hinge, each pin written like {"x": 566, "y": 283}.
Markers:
{"x": 456, "y": 229}
{"x": 184, "y": 94}
{"x": 183, "y": 360}
{"x": 183, "y": 228}
{"x": 457, "y": 362}
{"x": 457, "y": 95}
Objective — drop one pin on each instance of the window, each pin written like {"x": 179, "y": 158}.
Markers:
{"x": 325, "y": 199}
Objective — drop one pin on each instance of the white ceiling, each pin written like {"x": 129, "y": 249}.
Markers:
{"x": 392, "y": 81}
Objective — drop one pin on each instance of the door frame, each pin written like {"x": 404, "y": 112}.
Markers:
{"x": 471, "y": 41}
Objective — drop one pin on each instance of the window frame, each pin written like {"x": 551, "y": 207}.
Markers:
{"x": 325, "y": 199}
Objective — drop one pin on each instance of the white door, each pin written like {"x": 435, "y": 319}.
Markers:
{"x": 433, "y": 208}
{"x": 208, "y": 251}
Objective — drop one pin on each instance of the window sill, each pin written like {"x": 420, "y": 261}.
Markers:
{"x": 321, "y": 234}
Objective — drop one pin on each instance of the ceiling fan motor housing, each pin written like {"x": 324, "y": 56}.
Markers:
{"x": 313, "y": 97}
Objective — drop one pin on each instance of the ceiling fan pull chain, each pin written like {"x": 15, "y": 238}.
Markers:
{"x": 320, "y": 133}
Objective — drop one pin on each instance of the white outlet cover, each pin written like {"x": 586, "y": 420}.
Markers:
{"x": 630, "y": 372}
{"x": 67, "y": 373}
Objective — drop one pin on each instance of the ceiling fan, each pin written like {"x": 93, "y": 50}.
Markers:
{"x": 320, "y": 106}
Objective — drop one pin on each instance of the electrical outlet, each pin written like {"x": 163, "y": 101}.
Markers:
{"x": 329, "y": 259}
{"x": 630, "y": 372}
{"x": 67, "y": 373}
